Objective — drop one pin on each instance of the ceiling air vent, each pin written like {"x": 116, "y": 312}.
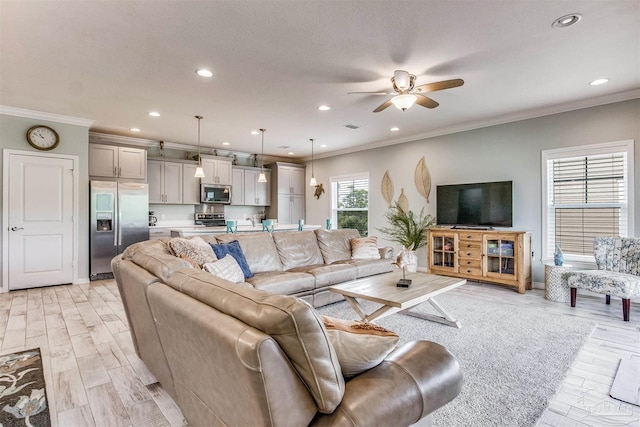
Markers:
{"x": 352, "y": 126}
{"x": 284, "y": 147}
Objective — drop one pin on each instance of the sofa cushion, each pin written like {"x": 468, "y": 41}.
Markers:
{"x": 359, "y": 345}
{"x": 284, "y": 283}
{"x": 233, "y": 249}
{"x": 334, "y": 244}
{"x": 370, "y": 267}
{"x": 194, "y": 248}
{"x": 292, "y": 323}
{"x": 364, "y": 248}
{"x": 259, "y": 250}
{"x": 297, "y": 249}
{"x": 227, "y": 268}
{"x": 326, "y": 275}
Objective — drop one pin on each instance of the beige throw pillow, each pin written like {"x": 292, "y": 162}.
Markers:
{"x": 194, "y": 248}
{"x": 365, "y": 248}
{"x": 226, "y": 268}
{"x": 359, "y": 345}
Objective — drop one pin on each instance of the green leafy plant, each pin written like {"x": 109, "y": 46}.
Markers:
{"x": 407, "y": 228}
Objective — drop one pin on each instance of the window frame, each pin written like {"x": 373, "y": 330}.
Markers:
{"x": 625, "y": 146}
{"x": 334, "y": 197}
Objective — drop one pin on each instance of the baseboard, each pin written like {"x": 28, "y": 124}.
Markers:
{"x": 537, "y": 285}
{"x": 82, "y": 281}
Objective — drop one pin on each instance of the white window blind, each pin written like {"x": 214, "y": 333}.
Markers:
{"x": 587, "y": 196}
{"x": 350, "y": 202}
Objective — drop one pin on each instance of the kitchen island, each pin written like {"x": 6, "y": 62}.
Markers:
{"x": 200, "y": 230}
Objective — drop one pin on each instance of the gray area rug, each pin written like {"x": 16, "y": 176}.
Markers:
{"x": 513, "y": 357}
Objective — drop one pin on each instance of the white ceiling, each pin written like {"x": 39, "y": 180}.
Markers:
{"x": 274, "y": 62}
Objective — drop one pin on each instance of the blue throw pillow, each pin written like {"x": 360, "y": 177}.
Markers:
{"x": 233, "y": 248}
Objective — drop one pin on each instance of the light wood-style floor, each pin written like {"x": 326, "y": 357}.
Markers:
{"x": 94, "y": 377}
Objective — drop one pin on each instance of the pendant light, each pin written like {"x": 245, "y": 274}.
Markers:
{"x": 312, "y": 181}
{"x": 199, "y": 171}
{"x": 262, "y": 177}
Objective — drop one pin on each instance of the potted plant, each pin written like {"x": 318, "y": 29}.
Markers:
{"x": 409, "y": 230}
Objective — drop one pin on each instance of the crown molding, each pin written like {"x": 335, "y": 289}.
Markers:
{"x": 40, "y": 115}
{"x": 516, "y": 117}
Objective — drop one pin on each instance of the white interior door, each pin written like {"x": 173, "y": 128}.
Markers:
{"x": 40, "y": 220}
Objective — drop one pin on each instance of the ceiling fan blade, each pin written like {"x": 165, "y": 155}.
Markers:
{"x": 382, "y": 107}
{"x": 426, "y": 101}
{"x": 372, "y": 93}
{"x": 445, "y": 84}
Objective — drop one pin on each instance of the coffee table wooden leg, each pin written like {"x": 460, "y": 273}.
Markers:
{"x": 445, "y": 319}
{"x": 383, "y": 311}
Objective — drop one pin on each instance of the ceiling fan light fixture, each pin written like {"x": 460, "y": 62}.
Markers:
{"x": 403, "y": 102}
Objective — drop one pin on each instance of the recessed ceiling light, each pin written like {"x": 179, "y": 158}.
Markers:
{"x": 154, "y": 114}
{"x": 598, "y": 82}
{"x": 567, "y": 20}
{"x": 134, "y": 130}
{"x": 203, "y": 72}
{"x": 226, "y": 143}
{"x": 323, "y": 146}
{"x": 291, "y": 153}
{"x": 323, "y": 108}
{"x": 394, "y": 129}
{"x": 255, "y": 132}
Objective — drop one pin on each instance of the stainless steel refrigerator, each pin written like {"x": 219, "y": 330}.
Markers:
{"x": 119, "y": 218}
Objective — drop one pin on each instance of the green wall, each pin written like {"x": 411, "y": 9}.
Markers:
{"x": 74, "y": 140}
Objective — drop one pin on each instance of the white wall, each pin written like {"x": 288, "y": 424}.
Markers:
{"x": 74, "y": 140}
{"x": 506, "y": 152}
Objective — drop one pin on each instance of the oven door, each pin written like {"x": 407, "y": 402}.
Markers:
{"x": 212, "y": 193}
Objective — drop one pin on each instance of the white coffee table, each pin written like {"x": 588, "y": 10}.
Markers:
{"x": 382, "y": 289}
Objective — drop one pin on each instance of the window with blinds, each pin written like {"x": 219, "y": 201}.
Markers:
{"x": 350, "y": 202}
{"x": 587, "y": 197}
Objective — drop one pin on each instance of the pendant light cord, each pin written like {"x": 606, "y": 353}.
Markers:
{"x": 262, "y": 152}
{"x": 312, "y": 171}
{"x": 199, "y": 157}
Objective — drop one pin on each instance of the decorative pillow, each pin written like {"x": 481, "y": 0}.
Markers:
{"x": 190, "y": 261}
{"x": 226, "y": 268}
{"x": 233, "y": 248}
{"x": 359, "y": 345}
{"x": 364, "y": 248}
{"x": 194, "y": 248}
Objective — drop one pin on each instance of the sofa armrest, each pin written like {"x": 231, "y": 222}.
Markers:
{"x": 386, "y": 252}
{"x": 412, "y": 382}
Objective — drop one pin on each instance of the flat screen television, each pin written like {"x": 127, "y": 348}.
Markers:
{"x": 484, "y": 204}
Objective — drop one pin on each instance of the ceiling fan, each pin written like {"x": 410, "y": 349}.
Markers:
{"x": 406, "y": 93}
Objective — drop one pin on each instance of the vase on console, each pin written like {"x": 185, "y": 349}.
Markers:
{"x": 558, "y": 256}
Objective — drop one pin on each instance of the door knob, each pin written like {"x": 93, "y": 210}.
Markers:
{"x": 16, "y": 228}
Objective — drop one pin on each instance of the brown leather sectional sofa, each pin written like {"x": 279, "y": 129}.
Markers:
{"x": 235, "y": 355}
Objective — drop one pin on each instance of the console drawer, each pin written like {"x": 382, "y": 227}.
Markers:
{"x": 475, "y": 253}
{"x": 466, "y": 245}
{"x": 470, "y": 270}
{"x": 470, "y": 236}
{"x": 470, "y": 263}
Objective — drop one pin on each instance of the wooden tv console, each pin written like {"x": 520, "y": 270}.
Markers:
{"x": 500, "y": 257}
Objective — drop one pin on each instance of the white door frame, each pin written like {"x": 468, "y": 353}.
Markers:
{"x": 6, "y": 153}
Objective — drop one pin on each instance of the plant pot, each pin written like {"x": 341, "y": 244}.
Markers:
{"x": 408, "y": 260}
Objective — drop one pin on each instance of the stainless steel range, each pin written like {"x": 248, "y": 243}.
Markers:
{"x": 210, "y": 219}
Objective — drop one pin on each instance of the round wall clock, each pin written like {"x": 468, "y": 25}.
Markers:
{"x": 43, "y": 137}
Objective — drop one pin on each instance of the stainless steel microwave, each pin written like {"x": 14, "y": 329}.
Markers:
{"x": 215, "y": 193}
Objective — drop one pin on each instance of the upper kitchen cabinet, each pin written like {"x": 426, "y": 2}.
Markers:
{"x": 190, "y": 185}
{"x": 290, "y": 178}
{"x": 247, "y": 191}
{"x": 287, "y": 204}
{"x": 217, "y": 171}
{"x": 165, "y": 182}
{"x": 117, "y": 162}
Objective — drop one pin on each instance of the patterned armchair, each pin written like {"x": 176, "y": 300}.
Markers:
{"x": 618, "y": 273}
